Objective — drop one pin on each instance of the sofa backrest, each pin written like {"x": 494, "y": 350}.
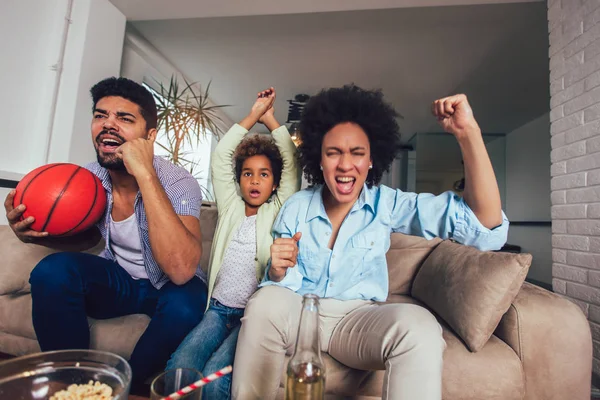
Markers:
{"x": 208, "y": 224}
{"x": 405, "y": 257}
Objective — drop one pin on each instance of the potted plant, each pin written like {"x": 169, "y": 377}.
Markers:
{"x": 184, "y": 118}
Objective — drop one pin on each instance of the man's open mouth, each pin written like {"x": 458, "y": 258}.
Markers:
{"x": 108, "y": 144}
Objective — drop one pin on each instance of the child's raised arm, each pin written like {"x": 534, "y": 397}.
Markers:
{"x": 222, "y": 173}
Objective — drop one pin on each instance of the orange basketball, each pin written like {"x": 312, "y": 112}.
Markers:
{"x": 64, "y": 199}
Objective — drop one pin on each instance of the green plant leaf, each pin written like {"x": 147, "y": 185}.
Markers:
{"x": 184, "y": 117}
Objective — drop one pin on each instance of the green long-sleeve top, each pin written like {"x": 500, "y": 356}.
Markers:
{"x": 231, "y": 207}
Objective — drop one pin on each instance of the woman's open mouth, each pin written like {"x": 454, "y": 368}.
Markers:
{"x": 345, "y": 184}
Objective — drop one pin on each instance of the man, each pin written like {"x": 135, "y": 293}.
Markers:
{"x": 151, "y": 226}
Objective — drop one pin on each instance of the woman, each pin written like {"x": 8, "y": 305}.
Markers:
{"x": 331, "y": 240}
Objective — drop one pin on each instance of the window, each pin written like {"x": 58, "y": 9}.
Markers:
{"x": 192, "y": 152}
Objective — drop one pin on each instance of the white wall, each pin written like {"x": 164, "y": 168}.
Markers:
{"x": 438, "y": 162}
{"x": 47, "y": 70}
{"x": 142, "y": 62}
{"x": 93, "y": 52}
{"x": 528, "y": 193}
{"x": 3, "y": 193}
{"x": 396, "y": 176}
{"x": 32, "y": 32}
{"x": 496, "y": 147}
{"x": 528, "y": 171}
{"x": 537, "y": 241}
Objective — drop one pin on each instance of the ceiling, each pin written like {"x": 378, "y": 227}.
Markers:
{"x": 138, "y": 10}
{"x": 497, "y": 54}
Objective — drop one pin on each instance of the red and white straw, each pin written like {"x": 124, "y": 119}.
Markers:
{"x": 182, "y": 392}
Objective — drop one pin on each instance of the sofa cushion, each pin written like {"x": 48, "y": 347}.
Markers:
{"x": 117, "y": 335}
{"x": 494, "y": 372}
{"x": 17, "y": 345}
{"x": 15, "y": 315}
{"x": 18, "y": 259}
{"x": 404, "y": 258}
{"x": 470, "y": 289}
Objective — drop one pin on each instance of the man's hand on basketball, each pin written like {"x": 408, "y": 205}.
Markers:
{"x": 21, "y": 228}
{"x": 284, "y": 254}
{"x": 138, "y": 155}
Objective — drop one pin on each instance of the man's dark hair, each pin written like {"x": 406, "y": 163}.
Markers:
{"x": 255, "y": 145}
{"x": 130, "y": 90}
{"x": 365, "y": 108}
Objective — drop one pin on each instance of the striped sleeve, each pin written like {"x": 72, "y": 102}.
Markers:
{"x": 185, "y": 196}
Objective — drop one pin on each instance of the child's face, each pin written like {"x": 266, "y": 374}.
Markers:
{"x": 256, "y": 180}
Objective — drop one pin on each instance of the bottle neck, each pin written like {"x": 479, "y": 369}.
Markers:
{"x": 308, "y": 348}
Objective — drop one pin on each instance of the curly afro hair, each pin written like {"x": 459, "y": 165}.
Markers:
{"x": 350, "y": 103}
{"x": 130, "y": 90}
{"x": 254, "y": 145}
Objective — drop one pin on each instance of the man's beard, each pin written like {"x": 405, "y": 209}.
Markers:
{"x": 110, "y": 161}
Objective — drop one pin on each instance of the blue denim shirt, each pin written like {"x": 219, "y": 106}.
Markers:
{"x": 356, "y": 268}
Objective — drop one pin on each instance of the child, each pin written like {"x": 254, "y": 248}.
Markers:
{"x": 265, "y": 168}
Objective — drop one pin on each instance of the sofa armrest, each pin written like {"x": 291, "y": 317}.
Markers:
{"x": 552, "y": 337}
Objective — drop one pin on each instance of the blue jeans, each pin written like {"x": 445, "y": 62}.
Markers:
{"x": 67, "y": 287}
{"x": 210, "y": 347}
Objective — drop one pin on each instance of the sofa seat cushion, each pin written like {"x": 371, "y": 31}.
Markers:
{"x": 17, "y": 345}
{"x": 15, "y": 315}
{"x": 117, "y": 335}
{"x": 19, "y": 259}
{"x": 493, "y": 373}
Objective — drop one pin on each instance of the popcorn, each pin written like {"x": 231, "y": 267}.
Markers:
{"x": 90, "y": 391}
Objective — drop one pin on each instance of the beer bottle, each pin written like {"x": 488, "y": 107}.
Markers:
{"x": 306, "y": 370}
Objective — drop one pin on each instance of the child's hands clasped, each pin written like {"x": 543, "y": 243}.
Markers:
{"x": 264, "y": 102}
{"x": 262, "y": 111}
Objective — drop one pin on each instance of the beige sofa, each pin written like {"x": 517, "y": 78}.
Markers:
{"x": 540, "y": 349}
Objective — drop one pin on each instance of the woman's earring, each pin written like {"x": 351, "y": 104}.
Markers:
{"x": 371, "y": 166}
{"x": 321, "y": 167}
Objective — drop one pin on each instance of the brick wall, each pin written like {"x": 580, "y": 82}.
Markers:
{"x": 574, "y": 28}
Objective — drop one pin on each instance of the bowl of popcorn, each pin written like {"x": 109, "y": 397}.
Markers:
{"x": 66, "y": 375}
